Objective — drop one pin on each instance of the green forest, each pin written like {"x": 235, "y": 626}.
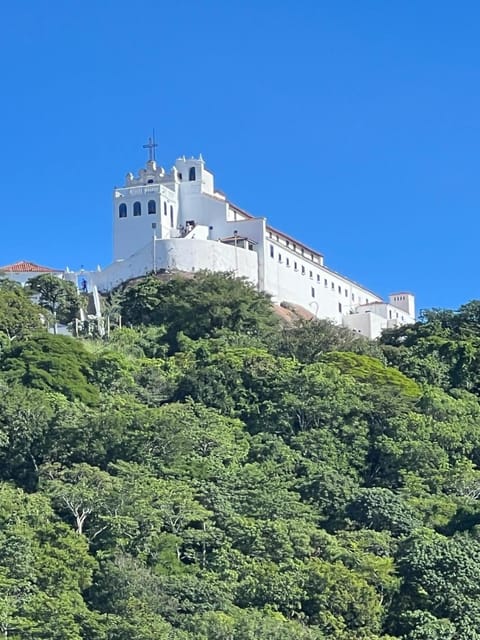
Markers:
{"x": 212, "y": 471}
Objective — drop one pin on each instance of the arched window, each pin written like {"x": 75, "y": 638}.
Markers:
{"x": 137, "y": 209}
{"x": 191, "y": 174}
{"x": 152, "y": 206}
{"x": 122, "y": 210}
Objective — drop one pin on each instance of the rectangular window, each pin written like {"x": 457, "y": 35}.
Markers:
{"x": 295, "y": 266}
{"x": 288, "y": 262}
{"x": 303, "y": 270}
{"x": 340, "y": 307}
{"x": 346, "y": 293}
{"x": 310, "y": 274}
{"x": 288, "y": 243}
{"x": 318, "y": 277}
{"x": 311, "y": 256}
{"x": 339, "y": 289}
{"x": 325, "y": 282}
{"x": 313, "y": 292}
{"x": 279, "y": 257}
{"x": 333, "y": 285}
{"x": 353, "y": 297}
{"x": 294, "y": 247}
{"x": 272, "y": 252}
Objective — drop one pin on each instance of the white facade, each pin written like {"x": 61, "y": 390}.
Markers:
{"x": 177, "y": 221}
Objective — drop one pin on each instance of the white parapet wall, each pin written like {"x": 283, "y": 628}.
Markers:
{"x": 179, "y": 255}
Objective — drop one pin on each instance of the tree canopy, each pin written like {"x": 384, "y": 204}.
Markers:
{"x": 209, "y": 473}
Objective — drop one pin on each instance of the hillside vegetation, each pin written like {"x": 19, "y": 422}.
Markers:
{"x": 209, "y": 473}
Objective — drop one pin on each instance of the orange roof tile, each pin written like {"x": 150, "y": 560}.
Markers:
{"x": 23, "y": 266}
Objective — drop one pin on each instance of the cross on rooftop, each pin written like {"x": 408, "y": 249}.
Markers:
{"x": 151, "y": 144}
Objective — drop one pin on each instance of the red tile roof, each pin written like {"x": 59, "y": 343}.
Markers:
{"x": 28, "y": 267}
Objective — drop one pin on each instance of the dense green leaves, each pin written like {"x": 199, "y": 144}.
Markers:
{"x": 57, "y": 363}
{"x": 443, "y": 349}
{"x": 208, "y": 474}
{"x": 19, "y": 317}
{"x": 198, "y": 307}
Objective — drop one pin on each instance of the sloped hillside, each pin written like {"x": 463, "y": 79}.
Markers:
{"x": 209, "y": 472}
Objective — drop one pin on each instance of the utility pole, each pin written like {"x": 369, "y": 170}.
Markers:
{"x": 154, "y": 248}
{"x": 235, "y": 235}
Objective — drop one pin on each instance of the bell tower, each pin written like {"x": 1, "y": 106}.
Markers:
{"x": 145, "y": 207}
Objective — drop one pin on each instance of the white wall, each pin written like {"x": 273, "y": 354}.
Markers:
{"x": 393, "y": 314}
{"x": 295, "y": 278}
{"x": 179, "y": 254}
{"x": 369, "y": 325}
{"x": 195, "y": 255}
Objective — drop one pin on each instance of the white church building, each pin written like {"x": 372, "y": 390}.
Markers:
{"x": 167, "y": 222}
{"x": 177, "y": 222}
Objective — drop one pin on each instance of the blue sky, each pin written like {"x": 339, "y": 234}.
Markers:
{"x": 354, "y": 126}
